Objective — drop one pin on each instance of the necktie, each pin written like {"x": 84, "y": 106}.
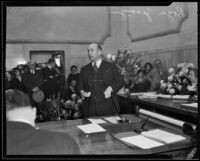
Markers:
{"x": 95, "y": 67}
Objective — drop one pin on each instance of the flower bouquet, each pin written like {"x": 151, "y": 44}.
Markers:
{"x": 178, "y": 81}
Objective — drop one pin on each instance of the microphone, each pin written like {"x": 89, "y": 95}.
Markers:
{"x": 142, "y": 126}
{"x": 122, "y": 120}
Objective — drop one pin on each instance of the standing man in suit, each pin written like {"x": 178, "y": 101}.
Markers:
{"x": 32, "y": 79}
{"x": 51, "y": 86}
{"x": 22, "y": 135}
{"x": 99, "y": 83}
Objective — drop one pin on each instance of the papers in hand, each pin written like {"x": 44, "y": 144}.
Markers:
{"x": 113, "y": 119}
{"x": 142, "y": 142}
{"x": 91, "y": 128}
{"x": 162, "y": 136}
{"x": 97, "y": 121}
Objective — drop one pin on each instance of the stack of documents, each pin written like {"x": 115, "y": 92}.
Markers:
{"x": 113, "y": 119}
{"x": 166, "y": 96}
{"x": 97, "y": 121}
{"x": 153, "y": 138}
{"x": 91, "y": 128}
{"x": 150, "y": 95}
{"x": 163, "y": 136}
{"x": 182, "y": 97}
{"x": 190, "y": 106}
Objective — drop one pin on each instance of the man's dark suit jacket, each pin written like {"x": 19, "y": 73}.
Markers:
{"x": 50, "y": 84}
{"x": 32, "y": 80}
{"x": 96, "y": 83}
{"x": 24, "y": 139}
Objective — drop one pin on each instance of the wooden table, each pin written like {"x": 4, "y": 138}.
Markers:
{"x": 168, "y": 107}
{"x": 107, "y": 143}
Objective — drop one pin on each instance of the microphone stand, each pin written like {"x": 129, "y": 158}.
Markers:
{"x": 122, "y": 120}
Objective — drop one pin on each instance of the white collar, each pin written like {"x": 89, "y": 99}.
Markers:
{"x": 98, "y": 63}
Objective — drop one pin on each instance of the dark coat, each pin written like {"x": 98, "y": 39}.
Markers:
{"x": 51, "y": 86}
{"x": 96, "y": 83}
{"x": 32, "y": 80}
{"x": 22, "y": 138}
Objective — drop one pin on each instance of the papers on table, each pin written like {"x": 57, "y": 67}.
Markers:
{"x": 195, "y": 105}
{"x": 163, "y": 136}
{"x": 190, "y": 106}
{"x": 91, "y": 128}
{"x": 113, "y": 119}
{"x": 141, "y": 142}
{"x": 142, "y": 93}
{"x": 166, "y": 96}
{"x": 97, "y": 121}
{"x": 152, "y": 138}
{"x": 180, "y": 97}
{"x": 150, "y": 95}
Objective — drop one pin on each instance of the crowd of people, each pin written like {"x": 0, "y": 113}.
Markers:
{"x": 148, "y": 77}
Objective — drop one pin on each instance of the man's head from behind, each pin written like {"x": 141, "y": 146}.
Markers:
{"x": 18, "y": 107}
{"x": 94, "y": 52}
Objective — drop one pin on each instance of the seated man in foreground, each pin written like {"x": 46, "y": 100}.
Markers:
{"x": 24, "y": 138}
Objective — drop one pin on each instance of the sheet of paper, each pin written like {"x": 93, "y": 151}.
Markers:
{"x": 91, "y": 128}
{"x": 97, "y": 121}
{"x": 163, "y": 136}
{"x": 164, "y": 96}
{"x": 113, "y": 119}
{"x": 191, "y": 105}
{"x": 142, "y": 142}
{"x": 180, "y": 96}
{"x": 143, "y": 93}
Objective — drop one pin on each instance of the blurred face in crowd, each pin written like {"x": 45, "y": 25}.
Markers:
{"x": 94, "y": 53}
{"x": 148, "y": 68}
{"x": 74, "y": 70}
{"x": 192, "y": 76}
{"x": 17, "y": 72}
{"x": 140, "y": 76}
{"x": 31, "y": 65}
{"x": 8, "y": 76}
{"x": 73, "y": 83}
{"x": 158, "y": 64}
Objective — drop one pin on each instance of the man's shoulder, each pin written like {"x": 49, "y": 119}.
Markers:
{"x": 86, "y": 67}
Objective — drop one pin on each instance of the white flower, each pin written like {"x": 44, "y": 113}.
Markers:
{"x": 109, "y": 56}
{"x": 169, "y": 85}
{"x": 163, "y": 85}
{"x": 179, "y": 87}
{"x": 171, "y": 70}
{"x": 113, "y": 58}
{"x": 161, "y": 82}
{"x": 181, "y": 73}
{"x": 184, "y": 70}
{"x": 172, "y": 91}
{"x": 79, "y": 101}
{"x": 191, "y": 88}
{"x": 191, "y": 65}
{"x": 170, "y": 78}
{"x": 180, "y": 65}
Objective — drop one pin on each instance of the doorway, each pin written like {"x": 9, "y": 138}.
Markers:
{"x": 41, "y": 57}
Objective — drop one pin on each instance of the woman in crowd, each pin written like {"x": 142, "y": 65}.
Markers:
{"x": 74, "y": 75}
{"x": 147, "y": 68}
{"x": 8, "y": 80}
{"x": 140, "y": 84}
{"x": 17, "y": 80}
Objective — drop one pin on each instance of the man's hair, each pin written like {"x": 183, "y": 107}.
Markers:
{"x": 51, "y": 60}
{"x": 73, "y": 66}
{"x": 16, "y": 99}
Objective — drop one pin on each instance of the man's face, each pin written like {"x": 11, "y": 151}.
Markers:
{"x": 93, "y": 53}
{"x": 31, "y": 66}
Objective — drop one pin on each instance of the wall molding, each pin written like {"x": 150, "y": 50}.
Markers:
{"x": 173, "y": 49}
{"x": 159, "y": 34}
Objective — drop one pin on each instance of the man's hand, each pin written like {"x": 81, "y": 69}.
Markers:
{"x": 108, "y": 92}
{"x": 85, "y": 94}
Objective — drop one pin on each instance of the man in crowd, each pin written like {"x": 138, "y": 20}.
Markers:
{"x": 51, "y": 86}
{"x": 99, "y": 83}
{"x": 32, "y": 79}
{"x": 22, "y": 135}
